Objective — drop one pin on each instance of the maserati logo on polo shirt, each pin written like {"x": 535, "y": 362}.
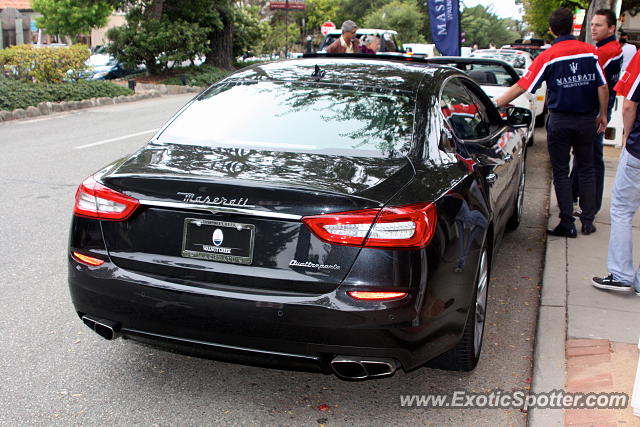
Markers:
{"x": 625, "y": 77}
{"x": 218, "y": 237}
{"x": 574, "y": 67}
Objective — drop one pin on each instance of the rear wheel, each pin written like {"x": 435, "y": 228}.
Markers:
{"x": 465, "y": 355}
{"x": 532, "y": 139}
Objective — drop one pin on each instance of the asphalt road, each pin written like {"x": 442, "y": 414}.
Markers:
{"x": 54, "y": 370}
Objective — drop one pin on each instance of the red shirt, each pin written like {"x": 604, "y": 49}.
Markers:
{"x": 609, "y": 54}
{"x": 629, "y": 87}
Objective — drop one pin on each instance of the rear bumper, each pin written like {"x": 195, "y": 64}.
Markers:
{"x": 292, "y": 331}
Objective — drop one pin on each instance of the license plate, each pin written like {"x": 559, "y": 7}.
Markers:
{"x": 218, "y": 241}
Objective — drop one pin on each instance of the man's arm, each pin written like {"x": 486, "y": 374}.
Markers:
{"x": 512, "y": 93}
{"x": 603, "y": 97}
{"x": 333, "y": 47}
{"x": 629, "y": 112}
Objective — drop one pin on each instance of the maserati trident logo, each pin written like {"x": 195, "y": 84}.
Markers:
{"x": 574, "y": 67}
{"x": 218, "y": 237}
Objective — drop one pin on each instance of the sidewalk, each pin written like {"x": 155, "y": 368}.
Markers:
{"x": 587, "y": 338}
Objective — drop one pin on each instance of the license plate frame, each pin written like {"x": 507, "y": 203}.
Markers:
{"x": 195, "y": 233}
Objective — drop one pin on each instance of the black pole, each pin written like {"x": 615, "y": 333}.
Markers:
{"x": 286, "y": 28}
{"x": 459, "y": 31}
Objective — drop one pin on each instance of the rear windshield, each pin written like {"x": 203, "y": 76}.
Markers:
{"x": 297, "y": 117}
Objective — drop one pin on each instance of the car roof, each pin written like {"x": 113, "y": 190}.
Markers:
{"x": 501, "y": 51}
{"x": 380, "y": 71}
{"x": 364, "y": 31}
{"x": 471, "y": 60}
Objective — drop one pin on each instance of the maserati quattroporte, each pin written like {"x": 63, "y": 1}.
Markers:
{"x": 333, "y": 213}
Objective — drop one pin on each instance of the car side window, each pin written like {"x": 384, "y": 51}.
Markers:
{"x": 465, "y": 114}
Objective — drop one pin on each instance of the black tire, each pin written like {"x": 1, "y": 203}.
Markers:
{"x": 514, "y": 220}
{"x": 465, "y": 355}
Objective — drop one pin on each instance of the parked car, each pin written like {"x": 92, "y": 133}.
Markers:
{"x": 520, "y": 61}
{"x": 291, "y": 216}
{"x": 534, "y": 47}
{"x": 494, "y": 77}
{"x": 424, "y": 49}
{"x": 388, "y": 39}
{"x": 103, "y": 66}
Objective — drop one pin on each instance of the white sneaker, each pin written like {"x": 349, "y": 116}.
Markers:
{"x": 576, "y": 210}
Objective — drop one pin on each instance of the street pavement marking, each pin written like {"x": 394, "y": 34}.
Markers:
{"x": 119, "y": 138}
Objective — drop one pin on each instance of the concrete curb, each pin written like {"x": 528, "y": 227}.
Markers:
{"x": 46, "y": 108}
{"x": 551, "y": 334}
{"x": 162, "y": 89}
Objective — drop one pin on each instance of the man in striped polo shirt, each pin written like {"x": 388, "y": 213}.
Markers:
{"x": 625, "y": 196}
{"x": 577, "y": 101}
{"x": 609, "y": 51}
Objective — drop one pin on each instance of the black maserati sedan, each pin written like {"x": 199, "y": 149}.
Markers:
{"x": 330, "y": 213}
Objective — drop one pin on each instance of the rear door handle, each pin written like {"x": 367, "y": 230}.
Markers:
{"x": 491, "y": 178}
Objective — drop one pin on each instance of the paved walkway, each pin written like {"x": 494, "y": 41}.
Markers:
{"x": 587, "y": 338}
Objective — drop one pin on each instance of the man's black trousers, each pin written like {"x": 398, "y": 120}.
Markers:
{"x": 598, "y": 168}
{"x": 578, "y": 132}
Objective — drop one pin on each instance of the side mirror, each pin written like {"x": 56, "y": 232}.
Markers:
{"x": 518, "y": 117}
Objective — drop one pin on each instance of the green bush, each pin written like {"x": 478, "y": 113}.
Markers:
{"x": 43, "y": 65}
{"x": 18, "y": 94}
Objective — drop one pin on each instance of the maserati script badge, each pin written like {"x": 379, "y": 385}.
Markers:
{"x": 215, "y": 201}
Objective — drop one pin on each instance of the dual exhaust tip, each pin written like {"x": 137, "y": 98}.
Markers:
{"x": 346, "y": 367}
{"x": 107, "y": 329}
{"x": 359, "y": 368}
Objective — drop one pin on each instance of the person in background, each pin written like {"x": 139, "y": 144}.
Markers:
{"x": 628, "y": 49}
{"x": 577, "y": 102}
{"x": 625, "y": 196}
{"x": 347, "y": 42}
{"x": 603, "y": 32}
{"x": 371, "y": 44}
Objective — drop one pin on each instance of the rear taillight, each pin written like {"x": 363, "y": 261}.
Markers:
{"x": 86, "y": 259}
{"x": 376, "y": 296}
{"x": 94, "y": 200}
{"x": 408, "y": 226}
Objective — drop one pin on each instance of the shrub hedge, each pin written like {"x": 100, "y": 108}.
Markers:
{"x": 19, "y": 94}
{"x": 43, "y": 64}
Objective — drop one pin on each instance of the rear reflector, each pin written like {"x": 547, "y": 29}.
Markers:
{"x": 376, "y": 296}
{"x": 94, "y": 200}
{"x": 408, "y": 226}
{"x": 86, "y": 259}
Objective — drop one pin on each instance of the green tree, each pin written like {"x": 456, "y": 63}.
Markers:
{"x": 251, "y": 31}
{"x": 317, "y": 12}
{"x": 483, "y": 27}
{"x": 356, "y": 10}
{"x": 72, "y": 17}
{"x": 403, "y": 16}
{"x": 158, "y": 31}
{"x": 276, "y": 38}
{"x": 154, "y": 39}
{"x": 537, "y": 12}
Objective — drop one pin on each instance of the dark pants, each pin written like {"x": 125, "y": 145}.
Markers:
{"x": 598, "y": 170}
{"x": 577, "y": 132}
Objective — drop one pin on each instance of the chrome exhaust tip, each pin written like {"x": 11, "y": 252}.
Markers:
{"x": 357, "y": 368}
{"x": 107, "y": 329}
